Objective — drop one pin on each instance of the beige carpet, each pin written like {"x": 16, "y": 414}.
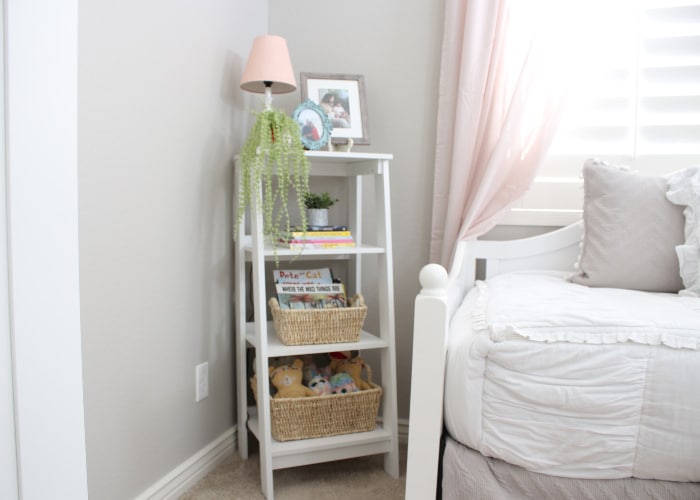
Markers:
{"x": 360, "y": 478}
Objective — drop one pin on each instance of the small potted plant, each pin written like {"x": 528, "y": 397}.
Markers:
{"x": 317, "y": 205}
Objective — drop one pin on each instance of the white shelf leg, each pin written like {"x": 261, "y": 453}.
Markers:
{"x": 240, "y": 313}
{"x": 355, "y": 222}
{"x": 386, "y": 321}
{"x": 261, "y": 361}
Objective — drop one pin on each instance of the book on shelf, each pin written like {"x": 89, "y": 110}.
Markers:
{"x": 308, "y": 289}
{"x": 311, "y": 296}
{"x": 318, "y": 235}
{"x": 315, "y": 238}
{"x": 311, "y": 228}
{"x": 333, "y": 239}
{"x": 319, "y": 231}
{"x": 303, "y": 276}
{"x": 298, "y": 240}
{"x": 316, "y": 245}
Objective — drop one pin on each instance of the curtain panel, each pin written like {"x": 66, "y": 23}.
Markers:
{"x": 502, "y": 84}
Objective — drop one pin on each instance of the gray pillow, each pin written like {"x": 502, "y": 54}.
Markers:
{"x": 630, "y": 231}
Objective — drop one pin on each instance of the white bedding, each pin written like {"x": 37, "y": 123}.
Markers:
{"x": 573, "y": 381}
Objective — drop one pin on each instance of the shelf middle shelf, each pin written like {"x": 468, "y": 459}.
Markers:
{"x": 276, "y": 348}
{"x": 284, "y": 253}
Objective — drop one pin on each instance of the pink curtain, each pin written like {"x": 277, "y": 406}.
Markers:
{"x": 501, "y": 94}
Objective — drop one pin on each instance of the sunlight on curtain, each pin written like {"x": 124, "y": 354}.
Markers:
{"x": 504, "y": 68}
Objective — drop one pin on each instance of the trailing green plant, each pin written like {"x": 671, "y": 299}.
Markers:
{"x": 319, "y": 200}
{"x": 274, "y": 150}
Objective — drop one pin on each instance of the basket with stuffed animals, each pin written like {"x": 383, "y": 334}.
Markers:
{"x": 311, "y": 401}
{"x": 319, "y": 326}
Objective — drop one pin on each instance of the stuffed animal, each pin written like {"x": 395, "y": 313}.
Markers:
{"x": 320, "y": 385}
{"x": 342, "y": 383}
{"x": 337, "y": 358}
{"x": 287, "y": 381}
{"x": 316, "y": 366}
{"x": 354, "y": 368}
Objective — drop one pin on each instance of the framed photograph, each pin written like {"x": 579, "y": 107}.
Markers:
{"x": 314, "y": 124}
{"x": 342, "y": 99}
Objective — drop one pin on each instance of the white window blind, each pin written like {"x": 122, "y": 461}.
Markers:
{"x": 638, "y": 104}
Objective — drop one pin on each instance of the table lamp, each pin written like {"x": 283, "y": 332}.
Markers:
{"x": 269, "y": 69}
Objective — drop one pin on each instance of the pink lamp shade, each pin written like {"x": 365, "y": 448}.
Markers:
{"x": 269, "y": 66}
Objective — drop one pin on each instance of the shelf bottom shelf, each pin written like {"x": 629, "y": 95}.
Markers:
{"x": 310, "y": 451}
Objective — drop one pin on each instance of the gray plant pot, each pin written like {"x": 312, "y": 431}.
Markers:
{"x": 317, "y": 216}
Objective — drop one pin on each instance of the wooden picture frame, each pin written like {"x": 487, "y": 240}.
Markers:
{"x": 342, "y": 98}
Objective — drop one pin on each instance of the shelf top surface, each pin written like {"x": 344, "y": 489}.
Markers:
{"x": 277, "y": 348}
{"x": 344, "y": 157}
{"x": 285, "y": 254}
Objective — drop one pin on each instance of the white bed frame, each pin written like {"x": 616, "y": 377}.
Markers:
{"x": 440, "y": 295}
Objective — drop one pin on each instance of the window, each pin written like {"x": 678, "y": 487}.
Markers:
{"x": 637, "y": 104}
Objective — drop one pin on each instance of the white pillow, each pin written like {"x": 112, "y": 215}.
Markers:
{"x": 684, "y": 189}
{"x": 631, "y": 231}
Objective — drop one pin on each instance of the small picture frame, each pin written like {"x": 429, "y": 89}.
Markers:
{"x": 314, "y": 125}
{"x": 342, "y": 99}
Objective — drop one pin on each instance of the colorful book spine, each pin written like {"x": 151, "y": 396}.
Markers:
{"x": 324, "y": 228}
{"x": 301, "y": 241}
{"x": 319, "y": 234}
{"x": 308, "y": 245}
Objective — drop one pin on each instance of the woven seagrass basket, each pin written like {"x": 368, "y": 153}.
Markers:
{"x": 322, "y": 416}
{"x": 319, "y": 326}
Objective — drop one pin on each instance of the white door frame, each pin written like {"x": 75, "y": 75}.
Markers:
{"x": 9, "y": 487}
{"x": 41, "y": 160}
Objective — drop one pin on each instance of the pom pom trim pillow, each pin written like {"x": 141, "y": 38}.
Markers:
{"x": 631, "y": 231}
{"x": 684, "y": 189}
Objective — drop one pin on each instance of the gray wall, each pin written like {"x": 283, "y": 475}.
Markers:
{"x": 160, "y": 117}
{"x": 396, "y": 45}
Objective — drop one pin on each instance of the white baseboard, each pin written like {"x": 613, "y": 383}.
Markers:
{"x": 402, "y": 429}
{"x": 185, "y": 475}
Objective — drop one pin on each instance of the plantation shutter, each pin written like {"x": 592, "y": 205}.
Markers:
{"x": 639, "y": 106}
{"x": 669, "y": 80}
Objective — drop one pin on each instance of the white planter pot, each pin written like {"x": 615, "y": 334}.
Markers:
{"x": 317, "y": 216}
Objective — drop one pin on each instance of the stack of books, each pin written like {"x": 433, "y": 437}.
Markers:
{"x": 316, "y": 237}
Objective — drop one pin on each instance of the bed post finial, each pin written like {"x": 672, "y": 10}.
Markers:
{"x": 433, "y": 280}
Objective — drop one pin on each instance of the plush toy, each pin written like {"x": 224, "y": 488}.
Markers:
{"x": 287, "y": 381}
{"x": 337, "y": 358}
{"x": 342, "y": 383}
{"x": 354, "y": 368}
{"x": 320, "y": 385}
{"x": 316, "y": 366}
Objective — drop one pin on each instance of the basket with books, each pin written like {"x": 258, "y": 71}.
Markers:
{"x": 312, "y": 309}
{"x": 319, "y": 325}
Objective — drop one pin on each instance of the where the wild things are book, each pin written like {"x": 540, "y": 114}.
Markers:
{"x": 308, "y": 289}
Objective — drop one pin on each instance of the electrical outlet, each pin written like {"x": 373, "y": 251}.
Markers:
{"x": 201, "y": 381}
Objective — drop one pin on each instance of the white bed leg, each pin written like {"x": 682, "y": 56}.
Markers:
{"x": 427, "y": 381}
